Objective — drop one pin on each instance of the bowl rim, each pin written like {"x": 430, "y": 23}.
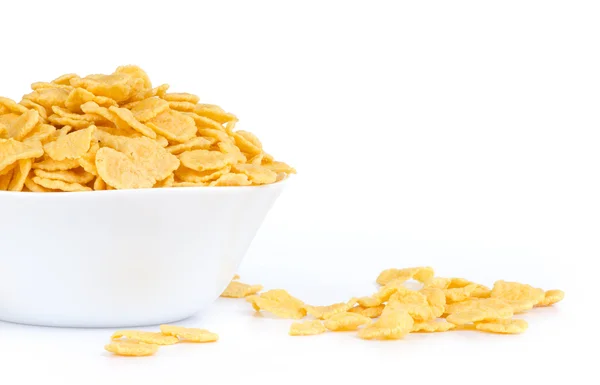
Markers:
{"x": 187, "y": 190}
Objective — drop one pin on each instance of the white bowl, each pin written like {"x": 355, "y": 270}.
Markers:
{"x": 123, "y": 258}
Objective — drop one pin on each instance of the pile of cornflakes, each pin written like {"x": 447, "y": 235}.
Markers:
{"x": 140, "y": 343}
{"x": 106, "y": 132}
{"x": 395, "y": 310}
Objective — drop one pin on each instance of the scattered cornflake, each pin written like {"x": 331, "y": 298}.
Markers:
{"x": 145, "y": 337}
{"x": 503, "y": 326}
{"x": 131, "y": 348}
{"x": 237, "y": 289}
{"x": 346, "y": 321}
{"x": 307, "y": 328}
{"x": 189, "y": 334}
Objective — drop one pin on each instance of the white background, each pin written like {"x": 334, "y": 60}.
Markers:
{"x": 457, "y": 134}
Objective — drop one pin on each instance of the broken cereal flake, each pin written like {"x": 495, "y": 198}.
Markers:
{"x": 371, "y": 312}
{"x": 514, "y": 291}
{"x": 145, "y": 337}
{"x": 432, "y": 326}
{"x": 503, "y": 326}
{"x": 421, "y": 274}
{"x": 346, "y": 321}
{"x": 131, "y": 348}
{"x": 189, "y": 334}
{"x": 551, "y": 297}
{"x": 237, "y": 289}
{"x": 394, "y": 323}
{"x": 324, "y": 312}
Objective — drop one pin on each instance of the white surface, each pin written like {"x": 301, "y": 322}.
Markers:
{"x": 123, "y": 258}
{"x": 458, "y": 134}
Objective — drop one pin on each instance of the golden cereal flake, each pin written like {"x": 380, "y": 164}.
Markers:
{"x": 481, "y": 310}
{"x": 371, "y": 312}
{"x": 99, "y": 184}
{"x": 421, "y": 274}
{"x": 432, "y": 326}
{"x": 217, "y": 135}
{"x": 278, "y": 302}
{"x": 59, "y": 185}
{"x": 126, "y": 115}
{"x": 131, "y": 348}
{"x": 237, "y": 289}
{"x": 34, "y": 106}
{"x": 436, "y": 300}
{"x": 70, "y": 176}
{"x": 278, "y": 166}
{"x": 12, "y": 151}
{"x": 551, "y": 297}
{"x": 256, "y": 174}
{"x": 213, "y": 112}
{"x": 20, "y": 174}
{"x": 181, "y": 97}
{"x": 231, "y": 180}
{"x": 48, "y": 97}
{"x": 150, "y": 108}
{"x": 41, "y": 132}
{"x": 174, "y": 126}
{"x": 307, "y": 328}
{"x": 64, "y": 79}
{"x": 56, "y": 165}
{"x": 197, "y": 143}
{"x": 119, "y": 171}
{"x": 136, "y": 73}
{"x": 203, "y": 160}
{"x": 503, "y": 326}
{"x": 414, "y": 302}
{"x": 11, "y": 106}
{"x": 79, "y": 96}
{"x": 5, "y": 179}
{"x": 204, "y": 122}
{"x": 145, "y": 337}
{"x": 71, "y": 146}
{"x": 117, "y": 86}
{"x": 189, "y": 334}
{"x": 185, "y": 174}
{"x": 394, "y": 323}
{"x": 182, "y": 106}
{"x": 459, "y": 294}
{"x": 23, "y": 125}
{"x": 247, "y": 142}
{"x": 346, "y": 321}
{"x": 513, "y": 291}
{"x": 324, "y": 312}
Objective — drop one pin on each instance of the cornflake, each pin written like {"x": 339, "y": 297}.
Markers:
{"x": 189, "y": 334}
{"x": 131, "y": 348}
{"x": 503, "y": 326}
{"x": 307, "y": 328}
{"x": 346, "y": 321}
{"x": 237, "y": 289}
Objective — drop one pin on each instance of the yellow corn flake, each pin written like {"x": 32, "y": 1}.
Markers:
{"x": 189, "y": 334}
{"x": 459, "y": 294}
{"x": 210, "y": 133}
{"x": 99, "y": 184}
{"x": 503, "y": 326}
{"x": 370, "y": 301}
{"x": 204, "y": 122}
{"x": 7, "y": 169}
{"x": 307, "y": 328}
{"x": 185, "y": 174}
{"x": 120, "y": 171}
{"x": 150, "y": 108}
{"x": 476, "y": 303}
{"x": 79, "y": 96}
{"x": 123, "y": 131}
{"x": 34, "y": 106}
{"x": 278, "y": 302}
{"x": 159, "y": 91}
{"x": 479, "y": 291}
{"x": 181, "y": 97}
{"x": 48, "y": 97}
{"x": 188, "y": 184}
{"x": 77, "y": 176}
{"x": 34, "y": 187}
{"x": 414, "y": 302}
{"x": 11, "y": 106}
{"x": 231, "y": 150}
{"x": 551, "y": 297}
{"x": 174, "y": 126}
{"x": 513, "y": 291}
{"x": 182, "y": 106}
{"x": 64, "y": 79}
{"x": 145, "y": 337}
{"x": 231, "y": 180}
{"x": 237, "y": 289}
{"x": 55, "y": 165}
{"x": 117, "y": 86}
{"x": 75, "y": 123}
{"x": 278, "y": 166}
{"x": 12, "y": 151}
{"x": 247, "y": 142}
{"x": 436, "y": 299}
{"x": 394, "y": 323}
{"x": 346, "y": 321}
{"x": 64, "y": 113}
{"x": 126, "y": 115}
{"x": 371, "y": 312}
{"x": 256, "y": 174}
{"x": 59, "y": 185}
{"x": 41, "y": 132}
{"x": 202, "y": 160}
{"x": 131, "y": 348}
{"x": 213, "y": 112}
{"x": 480, "y": 310}
{"x": 71, "y": 146}
{"x": 324, "y": 312}
{"x": 167, "y": 182}
{"x": 94, "y": 108}
{"x": 136, "y": 73}
{"x": 421, "y": 274}
{"x": 432, "y": 326}
{"x": 20, "y": 174}
{"x": 197, "y": 143}
{"x": 25, "y": 124}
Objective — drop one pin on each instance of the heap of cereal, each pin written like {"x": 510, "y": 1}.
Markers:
{"x": 105, "y": 132}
